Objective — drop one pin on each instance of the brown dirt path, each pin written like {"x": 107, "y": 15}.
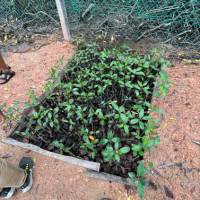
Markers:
{"x": 54, "y": 180}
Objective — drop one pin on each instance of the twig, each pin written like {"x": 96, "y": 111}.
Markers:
{"x": 152, "y": 30}
{"x": 91, "y": 6}
{"x": 44, "y": 13}
{"x": 179, "y": 166}
{"x": 132, "y": 9}
{"x": 41, "y": 35}
{"x": 168, "y": 8}
{"x": 196, "y": 142}
{"x": 182, "y": 33}
{"x": 169, "y": 165}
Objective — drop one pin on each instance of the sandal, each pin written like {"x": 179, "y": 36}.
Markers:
{"x": 5, "y": 76}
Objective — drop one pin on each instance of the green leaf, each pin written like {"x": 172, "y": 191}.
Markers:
{"x": 150, "y": 165}
{"x": 51, "y": 124}
{"x": 132, "y": 178}
{"x": 150, "y": 143}
{"x": 39, "y": 121}
{"x": 56, "y": 109}
{"x": 117, "y": 157}
{"x": 136, "y": 148}
{"x": 35, "y": 115}
{"x": 141, "y": 113}
{"x": 141, "y": 124}
{"x": 115, "y": 106}
{"x": 67, "y": 150}
{"x": 49, "y": 115}
{"x": 137, "y": 93}
{"x": 126, "y": 129}
{"x": 93, "y": 154}
{"x": 139, "y": 73}
{"x": 124, "y": 118}
{"x": 116, "y": 145}
{"x": 146, "y": 65}
{"x": 103, "y": 141}
{"x": 99, "y": 114}
{"x": 121, "y": 109}
{"x": 116, "y": 140}
{"x": 124, "y": 150}
{"x": 108, "y": 153}
{"x": 102, "y": 122}
{"x": 134, "y": 121}
{"x": 140, "y": 170}
{"x": 85, "y": 139}
{"x": 55, "y": 143}
{"x": 110, "y": 135}
{"x": 140, "y": 188}
{"x": 146, "y": 117}
{"x": 60, "y": 146}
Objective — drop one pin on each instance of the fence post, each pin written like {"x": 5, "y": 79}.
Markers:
{"x": 63, "y": 19}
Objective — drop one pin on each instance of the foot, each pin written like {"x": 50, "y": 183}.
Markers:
{"x": 6, "y": 76}
{"x": 7, "y": 193}
{"x": 26, "y": 164}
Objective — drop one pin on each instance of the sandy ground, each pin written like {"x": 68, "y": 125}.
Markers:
{"x": 177, "y": 156}
{"x": 177, "y": 159}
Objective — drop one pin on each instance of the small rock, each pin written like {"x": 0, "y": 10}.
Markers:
{"x": 168, "y": 192}
{"x": 178, "y": 137}
{"x": 153, "y": 185}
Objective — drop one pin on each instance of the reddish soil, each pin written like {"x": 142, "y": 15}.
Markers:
{"x": 177, "y": 158}
{"x": 57, "y": 180}
{"x": 32, "y": 70}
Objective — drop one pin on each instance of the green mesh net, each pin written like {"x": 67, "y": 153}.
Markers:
{"x": 170, "y": 21}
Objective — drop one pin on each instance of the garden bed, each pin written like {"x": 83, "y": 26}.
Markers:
{"x": 98, "y": 109}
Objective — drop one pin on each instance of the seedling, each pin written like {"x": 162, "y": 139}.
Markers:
{"x": 100, "y": 109}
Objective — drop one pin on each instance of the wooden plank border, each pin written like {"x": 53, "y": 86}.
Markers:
{"x": 68, "y": 159}
{"x": 107, "y": 177}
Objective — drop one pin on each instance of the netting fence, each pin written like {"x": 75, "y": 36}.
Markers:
{"x": 169, "y": 21}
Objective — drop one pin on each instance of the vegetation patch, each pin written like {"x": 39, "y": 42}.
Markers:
{"x": 100, "y": 109}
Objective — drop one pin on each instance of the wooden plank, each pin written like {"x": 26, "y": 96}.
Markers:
{"x": 107, "y": 177}
{"x": 68, "y": 159}
{"x": 118, "y": 179}
{"x": 63, "y": 19}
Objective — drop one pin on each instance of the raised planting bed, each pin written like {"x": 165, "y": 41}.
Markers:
{"x": 98, "y": 111}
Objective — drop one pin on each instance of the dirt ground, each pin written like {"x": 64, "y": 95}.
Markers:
{"x": 177, "y": 159}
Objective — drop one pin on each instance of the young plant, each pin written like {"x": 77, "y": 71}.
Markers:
{"x": 62, "y": 148}
{"x": 111, "y": 153}
{"x": 138, "y": 177}
{"x": 10, "y": 114}
{"x": 146, "y": 144}
{"x": 89, "y": 146}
